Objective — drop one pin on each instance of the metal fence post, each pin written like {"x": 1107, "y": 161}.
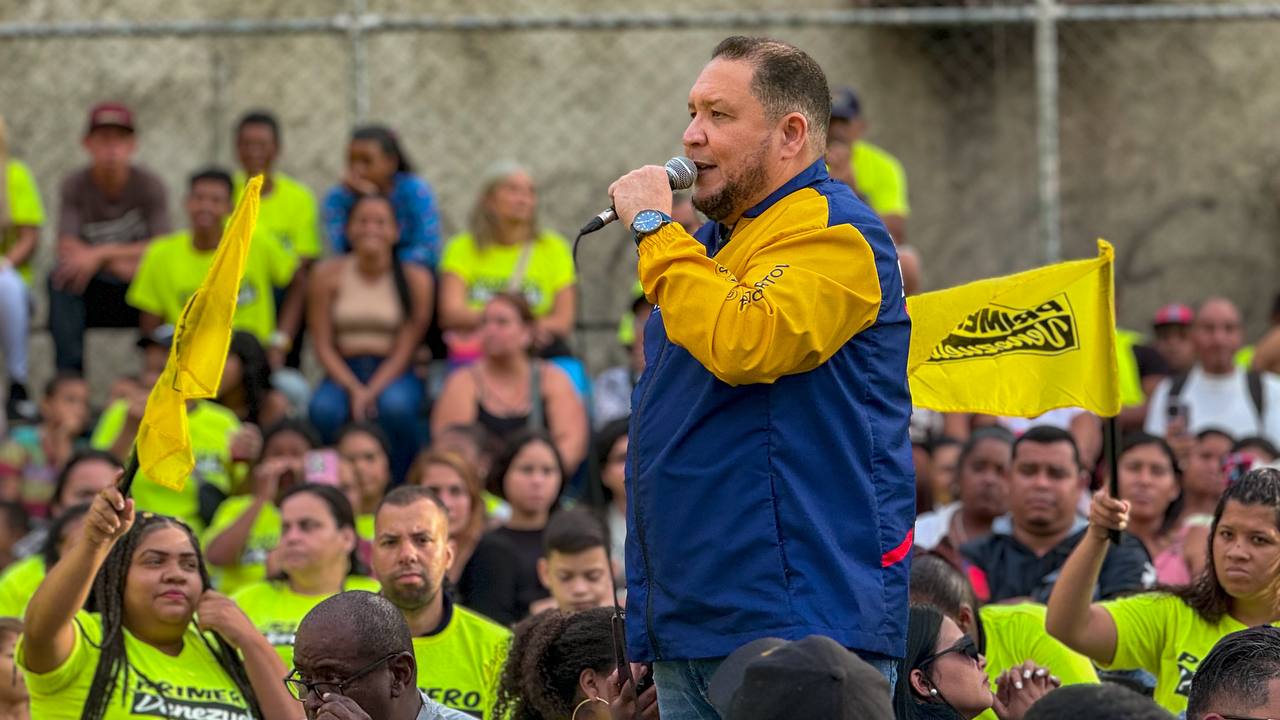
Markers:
{"x": 1050, "y": 194}
{"x": 359, "y": 62}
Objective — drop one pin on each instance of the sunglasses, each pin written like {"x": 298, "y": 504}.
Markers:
{"x": 1241, "y": 717}
{"x": 964, "y": 646}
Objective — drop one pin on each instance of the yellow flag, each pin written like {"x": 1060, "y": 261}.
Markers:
{"x": 198, "y": 353}
{"x": 1019, "y": 345}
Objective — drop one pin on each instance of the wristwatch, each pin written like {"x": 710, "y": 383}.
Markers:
{"x": 648, "y": 222}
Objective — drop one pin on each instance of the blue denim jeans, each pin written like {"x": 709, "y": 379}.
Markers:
{"x": 399, "y": 412}
{"x": 682, "y": 685}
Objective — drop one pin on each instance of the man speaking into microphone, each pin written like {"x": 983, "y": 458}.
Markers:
{"x": 769, "y": 479}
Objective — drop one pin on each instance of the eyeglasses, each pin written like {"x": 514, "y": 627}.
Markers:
{"x": 1241, "y": 717}
{"x": 301, "y": 689}
{"x": 965, "y": 646}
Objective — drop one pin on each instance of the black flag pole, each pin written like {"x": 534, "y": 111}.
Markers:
{"x": 1111, "y": 443}
{"x": 130, "y": 472}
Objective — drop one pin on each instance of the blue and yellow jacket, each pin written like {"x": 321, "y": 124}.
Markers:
{"x": 769, "y": 482}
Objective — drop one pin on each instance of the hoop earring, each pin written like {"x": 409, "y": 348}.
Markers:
{"x": 574, "y": 716}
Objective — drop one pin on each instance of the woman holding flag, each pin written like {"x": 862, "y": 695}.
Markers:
{"x": 1170, "y": 631}
{"x": 138, "y": 651}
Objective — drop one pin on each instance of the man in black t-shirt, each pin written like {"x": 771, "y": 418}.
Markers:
{"x": 1045, "y": 484}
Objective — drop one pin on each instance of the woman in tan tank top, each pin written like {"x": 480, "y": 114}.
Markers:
{"x": 507, "y": 391}
{"x": 368, "y": 314}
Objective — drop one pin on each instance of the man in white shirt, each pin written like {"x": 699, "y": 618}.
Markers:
{"x": 1217, "y": 393}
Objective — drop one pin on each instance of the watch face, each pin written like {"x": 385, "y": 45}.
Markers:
{"x": 647, "y": 221}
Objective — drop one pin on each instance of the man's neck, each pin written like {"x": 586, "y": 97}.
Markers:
{"x": 1200, "y": 504}
{"x": 1039, "y": 544}
{"x": 205, "y": 240}
{"x": 110, "y": 182}
{"x": 781, "y": 177}
{"x": 16, "y": 710}
{"x": 1216, "y": 372}
{"x": 427, "y": 618}
{"x": 973, "y": 525}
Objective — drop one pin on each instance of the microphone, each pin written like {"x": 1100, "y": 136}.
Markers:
{"x": 681, "y": 172}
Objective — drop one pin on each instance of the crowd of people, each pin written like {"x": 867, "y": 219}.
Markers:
{"x": 446, "y": 509}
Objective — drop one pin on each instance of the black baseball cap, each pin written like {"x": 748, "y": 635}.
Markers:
{"x": 772, "y": 679}
{"x": 845, "y": 104}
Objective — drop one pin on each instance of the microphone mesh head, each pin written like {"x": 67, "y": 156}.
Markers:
{"x": 682, "y": 172}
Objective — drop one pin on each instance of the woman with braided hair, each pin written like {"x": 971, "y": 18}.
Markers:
{"x": 135, "y": 652}
{"x": 561, "y": 667}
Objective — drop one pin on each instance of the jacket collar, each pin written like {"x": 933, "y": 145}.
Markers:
{"x": 812, "y": 175}
{"x": 718, "y": 235}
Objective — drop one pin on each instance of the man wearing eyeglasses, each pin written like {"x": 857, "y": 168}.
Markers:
{"x": 353, "y": 660}
{"x": 1239, "y": 679}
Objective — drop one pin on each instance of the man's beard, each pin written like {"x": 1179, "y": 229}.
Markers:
{"x": 732, "y": 198}
{"x": 413, "y": 599}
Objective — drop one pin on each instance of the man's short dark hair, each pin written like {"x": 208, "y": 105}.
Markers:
{"x": 368, "y": 620}
{"x": 786, "y": 80}
{"x": 573, "y": 531}
{"x": 1048, "y": 435}
{"x": 936, "y": 582}
{"x": 1097, "y": 702}
{"x": 1215, "y": 432}
{"x": 407, "y": 495}
{"x": 212, "y": 174}
{"x": 61, "y": 378}
{"x": 1234, "y": 676}
{"x": 260, "y": 117}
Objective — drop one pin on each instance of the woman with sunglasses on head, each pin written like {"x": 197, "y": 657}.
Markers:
{"x": 137, "y": 651}
{"x": 1168, "y": 632}
{"x": 943, "y": 675}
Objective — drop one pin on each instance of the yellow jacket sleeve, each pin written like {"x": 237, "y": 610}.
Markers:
{"x": 801, "y": 297}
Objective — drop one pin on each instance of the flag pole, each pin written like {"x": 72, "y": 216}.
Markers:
{"x": 130, "y": 472}
{"x": 1111, "y": 441}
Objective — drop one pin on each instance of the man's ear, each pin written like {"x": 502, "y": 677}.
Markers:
{"x": 404, "y": 674}
{"x": 795, "y": 134}
{"x": 544, "y": 573}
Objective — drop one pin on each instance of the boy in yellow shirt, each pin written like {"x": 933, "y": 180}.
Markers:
{"x": 173, "y": 266}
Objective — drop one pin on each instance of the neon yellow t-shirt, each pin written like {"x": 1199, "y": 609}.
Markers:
{"x": 276, "y": 610}
{"x": 288, "y": 215}
{"x": 263, "y": 538}
{"x": 1016, "y": 634}
{"x": 193, "y": 683}
{"x": 1162, "y": 635}
{"x": 880, "y": 179}
{"x": 487, "y": 272}
{"x": 459, "y": 666}
{"x": 211, "y": 426}
{"x": 18, "y": 584}
{"x": 25, "y": 209}
{"x": 364, "y": 526}
{"x": 172, "y": 269}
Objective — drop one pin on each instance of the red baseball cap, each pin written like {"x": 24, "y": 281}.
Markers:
{"x": 1173, "y": 314}
{"x": 110, "y": 114}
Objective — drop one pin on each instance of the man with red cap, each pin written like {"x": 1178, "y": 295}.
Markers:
{"x": 108, "y": 211}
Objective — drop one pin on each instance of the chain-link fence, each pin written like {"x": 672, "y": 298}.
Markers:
{"x": 1027, "y": 129}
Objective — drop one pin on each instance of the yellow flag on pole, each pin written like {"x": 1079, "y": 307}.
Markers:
{"x": 198, "y": 353}
{"x": 1019, "y": 345}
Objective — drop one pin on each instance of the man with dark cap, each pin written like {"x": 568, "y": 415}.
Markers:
{"x": 878, "y": 177}
{"x": 353, "y": 660}
{"x": 772, "y": 679}
{"x": 107, "y": 213}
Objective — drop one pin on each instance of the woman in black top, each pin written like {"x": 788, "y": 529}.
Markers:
{"x": 501, "y": 581}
